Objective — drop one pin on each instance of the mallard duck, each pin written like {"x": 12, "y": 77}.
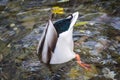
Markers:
{"x": 56, "y": 43}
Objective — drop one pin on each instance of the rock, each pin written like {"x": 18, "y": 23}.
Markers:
{"x": 9, "y": 45}
{"x": 77, "y": 50}
{"x": 117, "y": 38}
{"x": 30, "y": 18}
{"x": 76, "y": 73}
{"x": 95, "y": 59}
{"x": 100, "y": 46}
{"x": 1, "y": 57}
{"x": 90, "y": 16}
{"x": 108, "y": 74}
{"x": 32, "y": 38}
{"x": 3, "y": 2}
{"x": 12, "y": 25}
{"x": 90, "y": 44}
{"x": 28, "y": 4}
{"x": 15, "y": 28}
{"x": 8, "y": 35}
{"x": 82, "y": 39}
{"x": 13, "y": 6}
{"x": 100, "y": 78}
{"x": 31, "y": 65}
{"x": 117, "y": 76}
{"x": 63, "y": 0}
{"x": 116, "y": 25}
{"x": 111, "y": 7}
{"x": 104, "y": 19}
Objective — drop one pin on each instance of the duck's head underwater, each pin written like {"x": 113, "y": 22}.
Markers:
{"x": 56, "y": 43}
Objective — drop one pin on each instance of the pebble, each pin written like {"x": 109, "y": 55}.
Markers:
{"x": 15, "y": 28}
{"x": 108, "y": 74}
{"x": 9, "y": 45}
{"x": 92, "y": 23}
{"x": 1, "y": 57}
{"x": 116, "y": 25}
{"x": 12, "y": 25}
{"x": 36, "y": 31}
{"x": 78, "y": 50}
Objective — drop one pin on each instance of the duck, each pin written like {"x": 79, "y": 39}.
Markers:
{"x": 56, "y": 45}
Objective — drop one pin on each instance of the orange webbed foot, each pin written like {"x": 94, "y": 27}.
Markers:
{"x": 82, "y": 64}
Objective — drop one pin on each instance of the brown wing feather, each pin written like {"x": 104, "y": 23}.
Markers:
{"x": 41, "y": 44}
{"x": 50, "y": 37}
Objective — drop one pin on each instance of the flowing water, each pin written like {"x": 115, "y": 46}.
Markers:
{"x": 21, "y": 25}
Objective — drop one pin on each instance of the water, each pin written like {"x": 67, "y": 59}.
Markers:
{"x": 98, "y": 43}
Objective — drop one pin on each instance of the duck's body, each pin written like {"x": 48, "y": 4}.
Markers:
{"x": 56, "y": 44}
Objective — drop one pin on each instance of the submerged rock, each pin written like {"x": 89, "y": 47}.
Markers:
{"x": 76, "y": 73}
{"x": 3, "y": 2}
{"x": 31, "y": 65}
{"x": 1, "y": 57}
{"x": 33, "y": 38}
{"x": 116, "y": 25}
{"x": 108, "y": 74}
{"x": 100, "y": 78}
{"x": 7, "y": 35}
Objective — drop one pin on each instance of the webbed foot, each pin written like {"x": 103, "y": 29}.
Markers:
{"x": 82, "y": 64}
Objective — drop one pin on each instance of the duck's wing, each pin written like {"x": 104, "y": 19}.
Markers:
{"x": 64, "y": 46}
{"x": 47, "y": 43}
{"x": 73, "y": 20}
{"x": 64, "y": 49}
